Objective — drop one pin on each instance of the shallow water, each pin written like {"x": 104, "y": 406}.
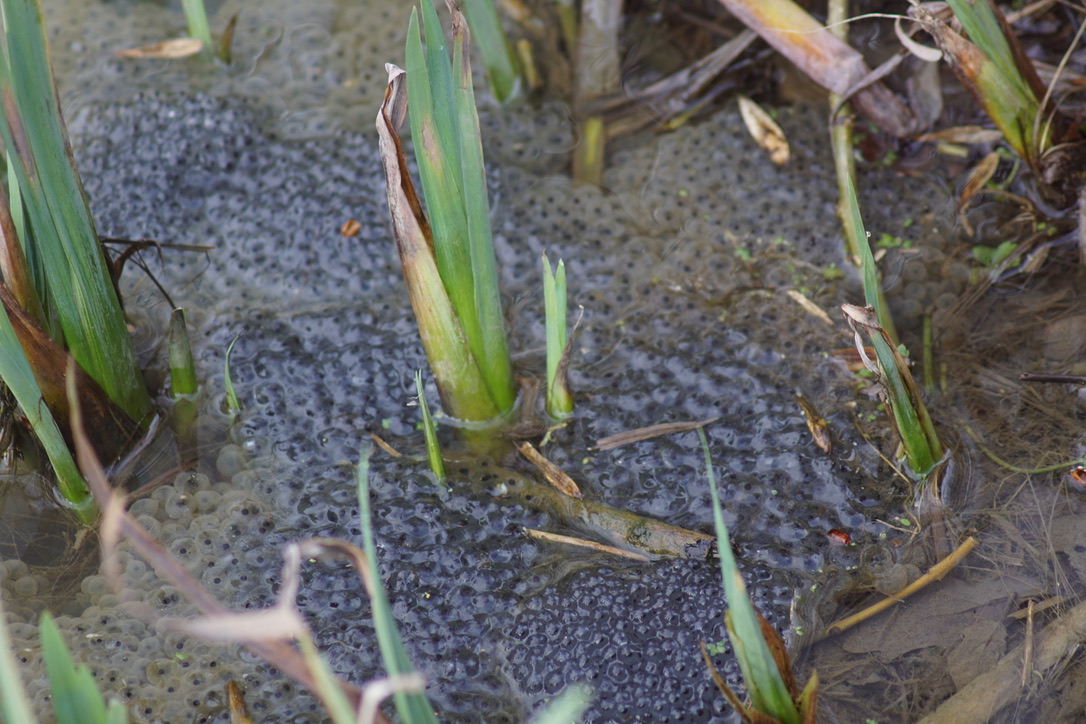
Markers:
{"x": 682, "y": 267}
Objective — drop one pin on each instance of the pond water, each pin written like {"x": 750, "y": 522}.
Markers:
{"x": 683, "y": 267}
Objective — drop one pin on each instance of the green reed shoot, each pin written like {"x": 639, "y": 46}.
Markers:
{"x": 232, "y": 404}
{"x": 445, "y": 130}
{"x": 922, "y": 447}
{"x": 559, "y": 397}
{"x": 60, "y": 244}
{"x": 183, "y": 384}
{"x": 501, "y": 63}
{"x": 413, "y": 708}
{"x": 429, "y": 430}
{"x": 182, "y": 369}
{"x": 769, "y": 694}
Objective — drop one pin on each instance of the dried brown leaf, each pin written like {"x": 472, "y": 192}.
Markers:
{"x": 239, "y": 713}
{"x": 978, "y": 178}
{"x": 554, "y": 475}
{"x": 828, "y": 61}
{"x": 924, "y": 52}
{"x": 818, "y": 426}
{"x": 167, "y": 49}
{"x": 765, "y": 131}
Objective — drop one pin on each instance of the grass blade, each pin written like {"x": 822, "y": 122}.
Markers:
{"x": 14, "y": 705}
{"x": 765, "y": 685}
{"x": 182, "y": 368}
{"x": 412, "y": 708}
{"x": 183, "y": 385}
{"x": 491, "y": 349}
{"x": 232, "y": 404}
{"x": 76, "y": 699}
{"x": 436, "y": 138}
{"x": 994, "y": 69}
{"x": 911, "y": 419}
{"x": 196, "y": 17}
{"x": 62, "y": 230}
{"x": 433, "y": 447}
{"x": 328, "y": 689}
{"x": 501, "y": 64}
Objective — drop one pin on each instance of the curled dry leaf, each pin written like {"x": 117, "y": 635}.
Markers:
{"x": 978, "y": 177}
{"x": 816, "y": 424}
{"x": 765, "y": 131}
{"x": 168, "y": 49}
{"x": 924, "y": 52}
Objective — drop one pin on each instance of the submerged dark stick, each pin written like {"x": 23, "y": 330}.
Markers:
{"x": 1045, "y": 377}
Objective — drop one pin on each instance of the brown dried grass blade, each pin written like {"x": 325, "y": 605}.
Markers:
{"x": 167, "y": 49}
{"x": 978, "y": 178}
{"x": 935, "y": 573}
{"x": 554, "y": 474}
{"x": 780, "y": 654}
{"x": 726, "y": 690}
{"x": 647, "y": 433}
{"x": 816, "y": 424}
{"x": 587, "y": 544}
